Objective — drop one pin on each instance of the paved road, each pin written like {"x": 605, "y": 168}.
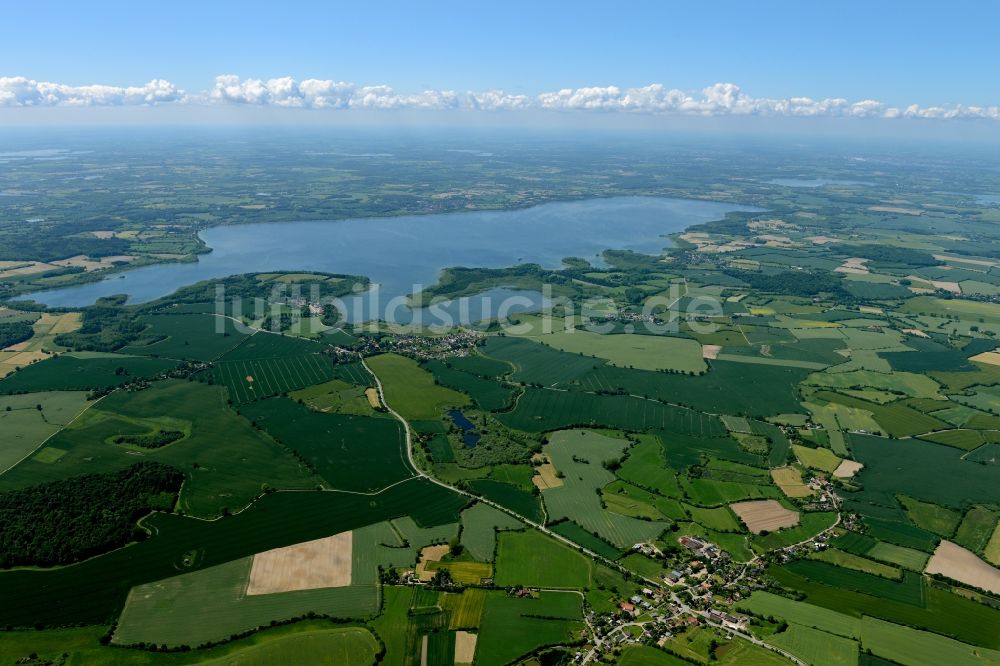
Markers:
{"x": 610, "y": 563}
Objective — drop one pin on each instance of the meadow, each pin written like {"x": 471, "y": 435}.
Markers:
{"x": 228, "y": 462}
{"x": 84, "y": 372}
{"x": 487, "y": 394}
{"x": 94, "y": 591}
{"x": 210, "y": 605}
{"x": 254, "y": 379}
{"x": 198, "y": 337}
{"x": 532, "y": 559}
{"x": 539, "y": 410}
{"x": 356, "y": 453}
{"x": 513, "y": 627}
{"x": 411, "y": 391}
{"x": 580, "y": 455}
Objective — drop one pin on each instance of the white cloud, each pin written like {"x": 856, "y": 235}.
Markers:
{"x": 324, "y": 94}
{"x": 21, "y": 91}
{"x": 720, "y": 99}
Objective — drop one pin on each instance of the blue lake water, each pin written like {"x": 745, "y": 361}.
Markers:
{"x": 402, "y": 254}
{"x": 469, "y": 435}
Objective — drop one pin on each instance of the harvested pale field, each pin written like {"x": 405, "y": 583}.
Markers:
{"x": 310, "y": 565}
{"x": 430, "y": 554}
{"x": 546, "y": 475}
{"x": 822, "y": 240}
{"x": 27, "y": 269}
{"x": 62, "y": 323}
{"x": 855, "y": 265}
{"x": 372, "y": 395}
{"x": 103, "y": 234}
{"x": 990, "y": 358}
{"x": 90, "y": 265}
{"x": 870, "y": 309}
{"x": 789, "y": 480}
{"x": 964, "y": 260}
{"x": 761, "y": 515}
{"x": 710, "y": 351}
{"x": 953, "y": 287}
{"x": 915, "y": 331}
{"x": 963, "y": 565}
{"x": 25, "y": 357}
{"x": 465, "y": 647}
{"x": 895, "y": 209}
{"x": 847, "y": 468}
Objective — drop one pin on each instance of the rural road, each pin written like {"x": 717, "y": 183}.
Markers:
{"x": 541, "y": 528}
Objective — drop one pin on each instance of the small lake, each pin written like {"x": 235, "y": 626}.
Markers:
{"x": 402, "y": 254}
{"x": 469, "y": 435}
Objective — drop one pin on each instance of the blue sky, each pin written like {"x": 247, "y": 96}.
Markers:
{"x": 899, "y": 53}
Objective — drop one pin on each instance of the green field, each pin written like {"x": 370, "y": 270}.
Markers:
{"x": 513, "y": 627}
{"x": 480, "y": 524}
{"x": 766, "y": 604}
{"x": 942, "y": 612}
{"x": 534, "y": 560}
{"x": 465, "y": 609}
{"x": 355, "y": 453}
{"x": 210, "y": 605}
{"x": 579, "y": 455}
{"x": 539, "y": 410}
{"x": 254, "y": 379}
{"x": 512, "y": 497}
{"x": 911, "y": 646}
{"x": 851, "y": 561}
{"x": 909, "y": 558}
{"x": 644, "y": 655}
{"x": 818, "y": 458}
{"x": 86, "y": 373}
{"x": 817, "y": 647}
{"x": 926, "y": 471}
{"x": 200, "y": 337}
{"x": 938, "y": 519}
{"x": 93, "y": 591}
{"x": 350, "y": 646}
{"x": 486, "y": 393}
{"x": 309, "y": 640}
{"x": 337, "y": 396}
{"x": 646, "y": 467}
{"x": 538, "y": 363}
{"x": 976, "y": 529}
{"x": 25, "y": 426}
{"x": 228, "y": 462}
{"x": 410, "y": 390}
{"x": 643, "y": 352}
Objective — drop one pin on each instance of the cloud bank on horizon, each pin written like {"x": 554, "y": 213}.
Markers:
{"x": 720, "y": 99}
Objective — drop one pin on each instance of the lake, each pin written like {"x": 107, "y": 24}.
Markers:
{"x": 403, "y": 254}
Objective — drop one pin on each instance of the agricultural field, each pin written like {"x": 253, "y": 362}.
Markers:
{"x": 820, "y": 453}
{"x": 28, "y": 420}
{"x": 513, "y": 627}
{"x": 532, "y": 559}
{"x": 199, "y": 337}
{"x": 231, "y": 462}
{"x": 579, "y": 455}
{"x": 255, "y": 379}
{"x": 642, "y": 352}
{"x": 357, "y": 453}
{"x": 411, "y": 390}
